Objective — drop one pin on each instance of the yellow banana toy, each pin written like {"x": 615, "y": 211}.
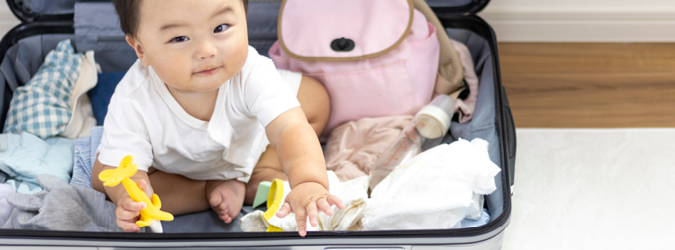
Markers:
{"x": 126, "y": 169}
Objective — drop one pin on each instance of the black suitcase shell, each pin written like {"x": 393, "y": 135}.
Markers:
{"x": 45, "y": 22}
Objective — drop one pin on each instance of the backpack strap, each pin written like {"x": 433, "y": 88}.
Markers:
{"x": 450, "y": 71}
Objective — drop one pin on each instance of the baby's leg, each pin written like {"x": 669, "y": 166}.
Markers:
{"x": 315, "y": 102}
{"x": 226, "y": 198}
{"x": 179, "y": 195}
{"x": 268, "y": 168}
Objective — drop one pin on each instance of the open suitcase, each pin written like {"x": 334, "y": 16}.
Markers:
{"x": 89, "y": 23}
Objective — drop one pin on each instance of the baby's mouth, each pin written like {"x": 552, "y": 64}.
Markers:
{"x": 208, "y": 71}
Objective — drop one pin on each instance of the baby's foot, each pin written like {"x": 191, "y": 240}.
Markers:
{"x": 226, "y": 198}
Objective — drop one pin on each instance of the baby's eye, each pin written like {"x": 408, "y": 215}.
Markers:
{"x": 220, "y": 28}
{"x": 179, "y": 39}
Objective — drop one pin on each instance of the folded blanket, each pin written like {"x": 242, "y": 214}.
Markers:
{"x": 53, "y": 102}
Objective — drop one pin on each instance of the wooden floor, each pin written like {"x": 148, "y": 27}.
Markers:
{"x": 590, "y": 85}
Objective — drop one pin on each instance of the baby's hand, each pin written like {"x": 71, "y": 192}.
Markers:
{"x": 128, "y": 211}
{"x": 307, "y": 199}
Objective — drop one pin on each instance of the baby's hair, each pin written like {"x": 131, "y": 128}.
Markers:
{"x": 129, "y": 14}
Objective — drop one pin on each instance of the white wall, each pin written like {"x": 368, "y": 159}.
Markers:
{"x": 582, "y": 20}
{"x": 7, "y": 19}
{"x": 581, "y": 5}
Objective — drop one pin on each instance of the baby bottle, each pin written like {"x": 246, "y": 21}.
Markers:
{"x": 425, "y": 130}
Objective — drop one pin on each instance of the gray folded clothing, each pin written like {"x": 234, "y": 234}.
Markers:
{"x": 62, "y": 207}
{"x": 3, "y": 177}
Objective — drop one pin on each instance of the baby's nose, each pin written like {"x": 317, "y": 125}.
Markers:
{"x": 206, "y": 50}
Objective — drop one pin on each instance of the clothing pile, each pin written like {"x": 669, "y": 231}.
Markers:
{"x": 440, "y": 188}
{"x": 45, "y": 116}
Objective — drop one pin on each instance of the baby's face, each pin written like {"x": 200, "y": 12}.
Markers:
{"x": 193, "y": 46}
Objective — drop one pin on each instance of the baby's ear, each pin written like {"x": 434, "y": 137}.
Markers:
{"x": 140, "y": 53}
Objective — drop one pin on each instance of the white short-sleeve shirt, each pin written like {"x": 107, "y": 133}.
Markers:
{"x": 146, "y": 122}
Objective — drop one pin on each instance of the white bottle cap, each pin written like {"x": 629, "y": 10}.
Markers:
{"x": 436, "y": 117}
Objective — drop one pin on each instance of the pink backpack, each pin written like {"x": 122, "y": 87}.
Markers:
{"x": 375, "y": 57}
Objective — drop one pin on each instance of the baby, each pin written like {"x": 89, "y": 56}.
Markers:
{"x": 198, "y": 110}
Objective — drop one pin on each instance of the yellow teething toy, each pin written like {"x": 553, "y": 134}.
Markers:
{"x": 274, "y": 199}
{"x": 126, "y": 169}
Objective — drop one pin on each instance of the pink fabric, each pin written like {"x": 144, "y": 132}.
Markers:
{"x": 397, "y": 83}
{"x": 353, "y": 147}
{"x": 467, "y": 106}
{"x": 326, "y": 20}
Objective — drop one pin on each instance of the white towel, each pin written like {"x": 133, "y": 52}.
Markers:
{"x": 354, "y": 195}
{"x": 434, "y": 190}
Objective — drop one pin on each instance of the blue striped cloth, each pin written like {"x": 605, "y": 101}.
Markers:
{"x": 85, "y": 156}
{"x": 42, "y": 106}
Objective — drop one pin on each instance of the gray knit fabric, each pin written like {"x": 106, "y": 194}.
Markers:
{"x": 62, "y": 207}
{"x": 3, "y": 177}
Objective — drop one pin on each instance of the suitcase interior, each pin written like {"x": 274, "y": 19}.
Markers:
{"x": 95, "y": 27}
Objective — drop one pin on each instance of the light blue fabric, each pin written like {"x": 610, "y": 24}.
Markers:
{"x": 482, "y": 220}
{"x": 42, "y": 106}
{"x": 85, "y": 155}
{"x": 25, "y": 156}
{"x": 23, "y": 187}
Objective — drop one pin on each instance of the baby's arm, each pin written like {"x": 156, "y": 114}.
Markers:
{"x": 302, "y": 160}
{"x": 127, "y": 209}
